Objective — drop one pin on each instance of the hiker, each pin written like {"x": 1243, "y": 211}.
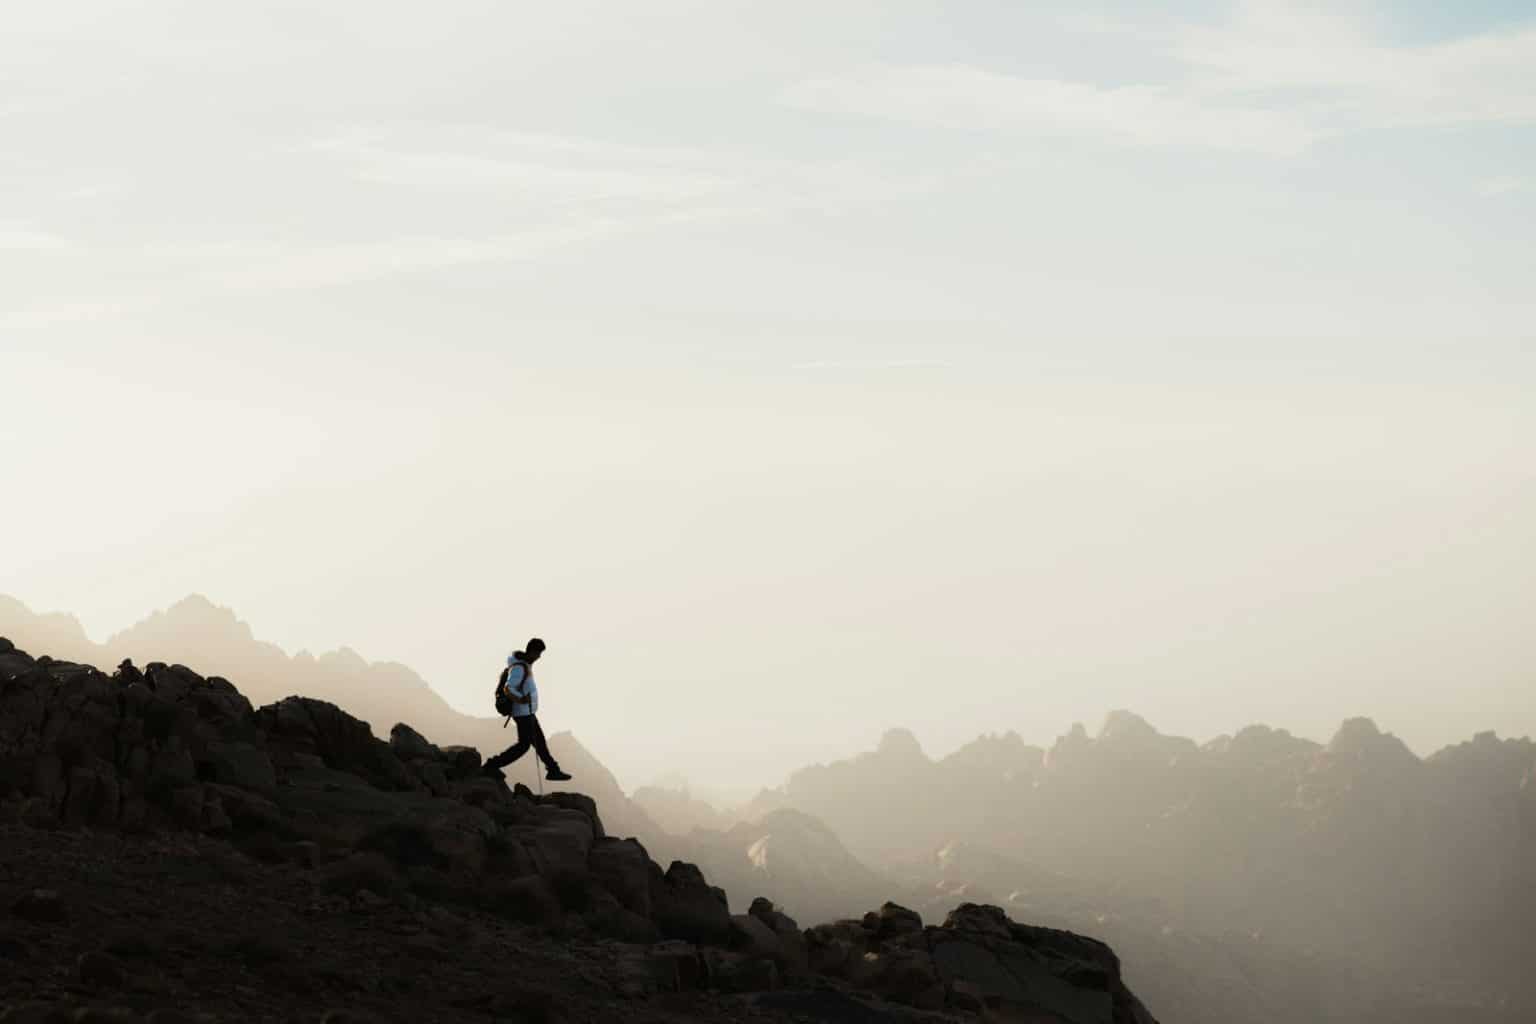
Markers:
{"x": 518, "y": 694}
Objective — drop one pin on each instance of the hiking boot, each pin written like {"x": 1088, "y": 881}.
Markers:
{"x": 556, "y": 775}
{"x": 490, "y": 771}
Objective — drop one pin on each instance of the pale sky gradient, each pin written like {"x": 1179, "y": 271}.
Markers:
{"x": 796, "y": 369}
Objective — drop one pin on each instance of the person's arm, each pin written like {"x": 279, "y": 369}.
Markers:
{"x": 517, "y": 683}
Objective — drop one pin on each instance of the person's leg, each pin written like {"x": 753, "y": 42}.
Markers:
{"x": 518, "y": 749}
{"x": 541, "y": 745}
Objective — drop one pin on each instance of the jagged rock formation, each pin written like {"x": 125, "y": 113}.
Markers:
{"x": 323, "y": 811}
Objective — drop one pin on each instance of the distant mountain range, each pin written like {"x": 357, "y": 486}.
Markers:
{"x": 1416, "y": 875}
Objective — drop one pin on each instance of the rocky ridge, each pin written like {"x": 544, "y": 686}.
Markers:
{"x": 196, "y": 631}
{"x": 180, "y": 852}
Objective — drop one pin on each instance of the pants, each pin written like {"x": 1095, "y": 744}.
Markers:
{"x": 529, "y": 734}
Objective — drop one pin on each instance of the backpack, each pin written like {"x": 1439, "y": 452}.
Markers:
{"x": 503, "y": 698}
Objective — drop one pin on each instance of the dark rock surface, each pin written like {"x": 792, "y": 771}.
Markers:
{"x": 166, "y": 848}
{"x": 979, "y": 961}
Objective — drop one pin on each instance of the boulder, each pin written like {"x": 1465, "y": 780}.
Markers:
{"x": 831, "y": 951}
{"x": 685, "y": 906}
{"x": 241, "y": 765}
{"x": 463, "y": 762}
{"x": 580, "y": 803}
{"x": 343, "y": 743}
{"x": 893, "y": 920}
{"x": 433, "y": 775}
{"x": 573, "y": 830}
{"x": 408, "y": 744}
{"x": 622, "y": 867}
{"x": 752, "y": 938}
{"x": 171, "y": 682}
{"x": 793, "y": 959}
{"x": 14, "y": 664}
{"x": 905, "y": 975}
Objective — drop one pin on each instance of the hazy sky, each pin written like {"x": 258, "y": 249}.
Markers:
{"x": 796, "y": 369}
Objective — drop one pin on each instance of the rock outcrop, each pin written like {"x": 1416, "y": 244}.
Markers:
{"x": 308, "y": 792}
{"x": 196, "y": 631}
{"x": 978, "y": 961}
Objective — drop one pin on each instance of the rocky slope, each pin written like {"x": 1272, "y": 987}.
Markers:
{"x": 195, "y": 631}
{"x": 172, "y": 852}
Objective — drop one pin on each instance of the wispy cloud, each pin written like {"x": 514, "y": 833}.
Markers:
{"x": 1276, "y": 78}
{"x": 534, "y": 167}
{"x": 968, "y": 97}
{"x": 186, "y": 272}
{"x": 95, "y": 190}
{"x": 71, "y": 312}
{"x": 539, "y": 194}
{"x": 557, "y": 192}
{"x": 16, "y": 236}
{"x": 1504, "y": 186}
{"x": 544, "y": 169}
{"x": 248, "y": 267}
{"x": 872, "y": 364}
{"x": 1337, "y": 68}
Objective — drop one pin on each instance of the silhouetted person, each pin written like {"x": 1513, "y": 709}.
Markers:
{"x": 519, "y": 685}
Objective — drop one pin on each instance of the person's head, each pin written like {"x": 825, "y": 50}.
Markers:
{"x": 532, "y": 650}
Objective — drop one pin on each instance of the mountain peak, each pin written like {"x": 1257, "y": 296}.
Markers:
{"x": 344, "y": 658}
{"x": 194, "y": 615}
{"x": 900, "y": 743}
{"x": 1126, "y": 725}
{"x": 197, "y": 603}
{"x": 197, "y": 610}
{"x": 1353, "y": 735}
{"x": 1361, "y": 738}
{"x": 1261, "y": 742}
